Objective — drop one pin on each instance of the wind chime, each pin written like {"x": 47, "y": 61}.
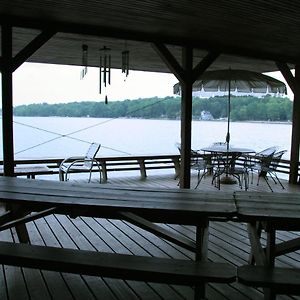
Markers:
{"x": 84, "y": 60}
{"x": 104, "y": 69}
{"x": 125, "y": 61}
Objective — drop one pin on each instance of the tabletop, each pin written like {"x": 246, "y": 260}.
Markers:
{"x": 94, "y": 200}
{"x": 223, "y": 149}
{"x": 268, "y": 206}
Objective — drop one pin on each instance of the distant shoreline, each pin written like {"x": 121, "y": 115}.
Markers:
{"x": 161, "y": 119}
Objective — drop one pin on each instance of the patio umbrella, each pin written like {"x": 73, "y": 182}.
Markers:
{"x": 238, "y": 81}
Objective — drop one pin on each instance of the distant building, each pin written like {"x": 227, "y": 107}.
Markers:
{"x": 206, "y": 115}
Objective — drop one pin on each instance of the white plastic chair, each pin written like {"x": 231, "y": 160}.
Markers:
{"x": 77, "y": 164}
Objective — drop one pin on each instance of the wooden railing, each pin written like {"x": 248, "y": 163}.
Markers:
{"x": 140, "y": 163}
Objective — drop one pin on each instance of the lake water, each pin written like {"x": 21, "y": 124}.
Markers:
{"x": 38, "y": 137}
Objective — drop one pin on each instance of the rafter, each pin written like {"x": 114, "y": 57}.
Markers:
{"x": 32, "y": 47}
{"x": 169, "y": 60}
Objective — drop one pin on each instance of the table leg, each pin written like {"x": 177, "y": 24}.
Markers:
{"x": 257, "y": 252}
{"x": 21, "y": 229}
{"x": 201, "y": 252}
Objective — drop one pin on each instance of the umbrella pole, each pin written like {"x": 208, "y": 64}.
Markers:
{"x": 227, "y": 179}
{"x": 228, "y": 115}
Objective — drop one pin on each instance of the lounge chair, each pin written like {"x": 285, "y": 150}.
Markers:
{"x": 80, "y": 164}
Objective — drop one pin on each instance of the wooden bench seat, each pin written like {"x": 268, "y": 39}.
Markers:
{"x": 140, "y": 268}
{"x": 279, "y": 280}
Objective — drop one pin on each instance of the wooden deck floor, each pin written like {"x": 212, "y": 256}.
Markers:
{"x": 228, "y": 242}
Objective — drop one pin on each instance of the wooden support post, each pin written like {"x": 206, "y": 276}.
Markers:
{"x": 293, "y": 178}
{"x": 103, "y": 170}
{"x": 186, "y": 74}
{"x": 186, "y": 117}
{"x": 294, "y": 83}
{"x": 7, "y": 106}
{"x": 142, "y": 168}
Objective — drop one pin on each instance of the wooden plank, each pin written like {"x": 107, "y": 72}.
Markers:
{"x": 280, "y": 280}
{"x": 58, "y": 284}
{"x": 28, "y": 218}
{"x": 186, "y": 205}
{"x": 115, "y": 266}
{"x": 159, "y": 231}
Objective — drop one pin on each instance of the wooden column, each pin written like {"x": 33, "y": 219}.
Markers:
{"x": 294, "y": 83}
{"x": 7, "y": 98}
{"x": 186, "y": 74}
{"x": 186, "y": 117}
{"x": 293, "y": 178}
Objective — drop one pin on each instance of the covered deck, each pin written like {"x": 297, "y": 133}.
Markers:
{"x": 228, "y": 242}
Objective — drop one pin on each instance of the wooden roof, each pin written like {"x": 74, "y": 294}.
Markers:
{"x": 265, "y": 30}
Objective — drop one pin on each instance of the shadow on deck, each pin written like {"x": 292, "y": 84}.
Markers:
{"x": 227, "y": 242}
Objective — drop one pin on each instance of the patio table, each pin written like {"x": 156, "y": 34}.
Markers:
{"x": 233, "y": 153}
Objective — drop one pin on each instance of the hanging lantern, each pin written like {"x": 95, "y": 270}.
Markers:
{"x": 84, "y": 60}
{"x": 104, "y": 68}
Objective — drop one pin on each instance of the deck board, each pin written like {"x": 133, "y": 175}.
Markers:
{"x": 228, "y": 242}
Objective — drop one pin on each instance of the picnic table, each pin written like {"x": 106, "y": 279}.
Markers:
{"x": 33, "y": 199}
{"x": 270, "y": 212}
{"x": 29, "y": 171}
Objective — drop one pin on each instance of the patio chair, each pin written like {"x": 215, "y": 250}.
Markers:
{"x": 227, "y": 166}
{"x": 77, "y": 164}
{"x": 263, "y": 157}
{"x": 199, "y": 164}
{"x": 268, "y": 166}
{"x": 267, "y": 152}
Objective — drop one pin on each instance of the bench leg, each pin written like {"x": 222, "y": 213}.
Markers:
{"x": 201, "y": 253}
{"x": 270, "y": 253}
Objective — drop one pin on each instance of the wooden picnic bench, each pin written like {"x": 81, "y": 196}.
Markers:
{"x": 121, "y": 266}
{"x": 279, "y": 280}
{"x": 32, "y": 199}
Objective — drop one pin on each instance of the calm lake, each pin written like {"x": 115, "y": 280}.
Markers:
{"x": 36, "y": 137}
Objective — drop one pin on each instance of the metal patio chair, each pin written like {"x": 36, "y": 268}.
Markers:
{"x": 267, "y": 168}
{"x": 201, "y": 164}
{"x": 262, "y": 158}
{"x": 77, "y": 164}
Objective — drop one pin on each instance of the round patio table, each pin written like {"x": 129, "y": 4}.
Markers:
{"x": 233, "y": 152}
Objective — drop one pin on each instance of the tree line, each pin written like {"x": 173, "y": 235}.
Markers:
{"x": 243, "y": 108}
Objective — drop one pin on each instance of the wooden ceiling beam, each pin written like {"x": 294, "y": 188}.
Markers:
{"x": 32, "y": 47}
{"x": 136, "y": 35}
{"x": 203, "y": 65}
{"x": 288, "y": 76}
{"x": 169, "y": 60}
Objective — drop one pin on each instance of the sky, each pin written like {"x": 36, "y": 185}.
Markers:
{"x": 39, "y": 83}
